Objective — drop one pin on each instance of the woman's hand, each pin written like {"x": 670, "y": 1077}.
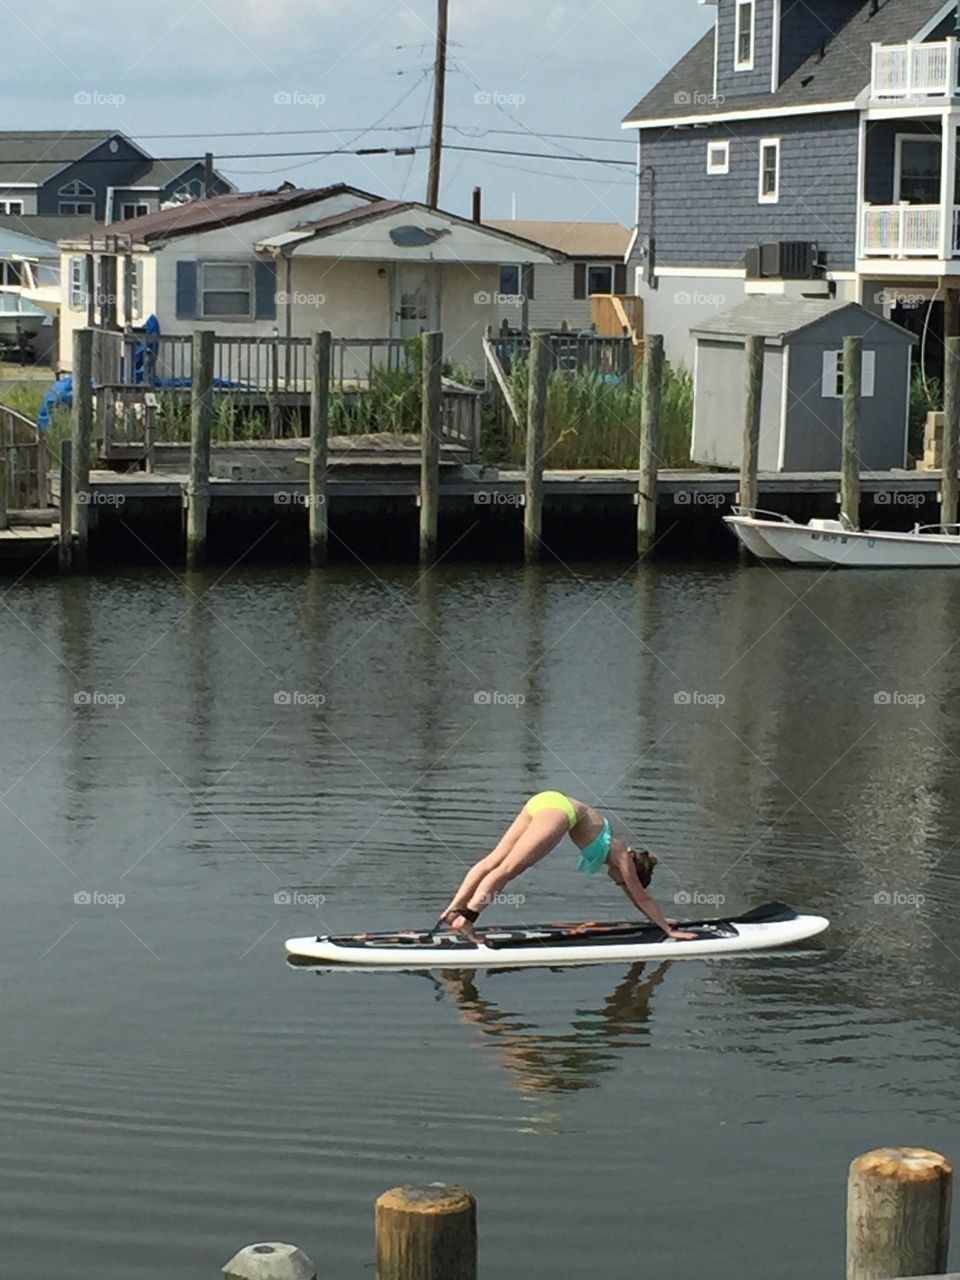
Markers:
{"x": 680, "y": 936}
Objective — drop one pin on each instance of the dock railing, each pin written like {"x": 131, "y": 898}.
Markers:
{"x": 24, "y": 459}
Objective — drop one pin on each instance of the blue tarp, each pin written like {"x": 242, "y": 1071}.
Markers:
{"x": 145, "y": 353}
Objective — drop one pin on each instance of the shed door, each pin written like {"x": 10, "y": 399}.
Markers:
{"x": 414, "y": 311}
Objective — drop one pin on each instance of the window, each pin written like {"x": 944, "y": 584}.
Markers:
{"x": 11, "y": 206}
{"x": 769, "y": 170}
{"x": 77, "y": 198}
{"x": 11, "y": 274}
{"x": 189, "y": 190}
{"x": 599, "y": 280}
{"x": 134, "y": 270}
{"x": 226, "y": 289}
{"x": 743, "y": 53}
{"x": 78, "y": 283}
{"x": 510, "y": 282}
{"x": 918, "y": 160}
{"x": 832, "y": 388}
{"x": 718, "y": 157}
{"x": 128, "y": 211}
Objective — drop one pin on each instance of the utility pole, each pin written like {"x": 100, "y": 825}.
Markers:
{"x": 439, "y": 98}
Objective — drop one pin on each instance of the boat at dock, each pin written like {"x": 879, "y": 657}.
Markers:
{"x": 833, "y": 543}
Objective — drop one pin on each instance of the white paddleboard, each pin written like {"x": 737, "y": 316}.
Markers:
{"x": 773, "y": 925}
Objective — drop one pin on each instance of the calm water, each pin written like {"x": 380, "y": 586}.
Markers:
{"x": 170, "y": 1090}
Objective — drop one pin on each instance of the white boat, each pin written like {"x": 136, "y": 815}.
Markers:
{"x": 832, "y": 543}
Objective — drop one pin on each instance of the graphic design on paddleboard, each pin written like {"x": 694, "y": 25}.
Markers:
{"x": 772, "y": 925}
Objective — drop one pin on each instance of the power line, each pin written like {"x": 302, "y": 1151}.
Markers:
{"x": 464, "y": 130}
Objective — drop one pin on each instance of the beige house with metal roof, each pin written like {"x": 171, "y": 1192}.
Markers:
{"x": 558, "y": 295}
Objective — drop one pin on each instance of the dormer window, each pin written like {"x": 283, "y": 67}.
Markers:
{"x": 743, "y": 53}
{"x": 76, "y": 198}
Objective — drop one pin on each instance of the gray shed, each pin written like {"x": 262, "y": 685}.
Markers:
{"x": 802, "y": 411}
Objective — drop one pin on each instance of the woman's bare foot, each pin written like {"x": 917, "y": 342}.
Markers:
{"x": 460, "y": 924}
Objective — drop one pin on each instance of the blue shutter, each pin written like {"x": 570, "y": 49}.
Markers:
{"x": 186, "y": 291}
{"x": 266, "y": 289}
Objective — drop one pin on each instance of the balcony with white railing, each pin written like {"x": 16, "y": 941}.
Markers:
{"x": 905, "y": 231}
{"x": 916, "y": 72}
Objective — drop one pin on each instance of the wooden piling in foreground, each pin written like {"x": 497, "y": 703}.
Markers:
{"x": 850, "y": 463}
{"x": 66, "y": 506}
{"x": 272, "y": 1261}
{"x": 649, "y": 443}
{"x": 426, "y": 1233}
{"x": 319, "y": 438}
{"x": 541, "y": 359}
{"x": 898, "y": 1213}
{"x": 750, "y": 455}
{"x": 201, "y": 429}
{"x": 82, "y": 433}
{"x": 950, "y": 449}
{"x": 430, "y": 429}
{"x": 4, "y": 520}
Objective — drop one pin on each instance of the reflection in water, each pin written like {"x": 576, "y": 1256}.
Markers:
{"x": 543, "y": 1062}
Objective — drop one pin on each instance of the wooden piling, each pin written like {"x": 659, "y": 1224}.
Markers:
{"x": 431, "y": 426}
{"x": 270, "y": 1261}
{"x": 426, "y": 1233}
{"x": 319, "y": 438}
{"x": 4, "y": 519}
{"x": 898, "y": 1213}
{"x": 66, "y": 506}
{"x": 649, "y": 443}
{"x": 850, "y": 464}
{"x": 541, "y": 359}
{"x": 750, "y": 455}
{"x": 950, "y": 448}
{"x": 201, "y": 428}
{"x": 82, "y": 433}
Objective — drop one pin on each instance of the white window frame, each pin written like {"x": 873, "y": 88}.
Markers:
{"x": 715, "y": 168}
{"x": 136, "y": 290}
{"x": 599, "y": 266}
{"x": 202, "y": 291}
{"x": 901, "y": 138}
{"x": 77, "y": 198}
{"x": 773, "y": 197}
{"x": 7, "y": 272}
{"x": 831, "y": 387}
{"x": 13, "y": 208}
{"x": 78, "y": 283}
{"x": 744, "y": 6}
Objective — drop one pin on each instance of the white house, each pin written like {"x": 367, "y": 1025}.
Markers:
{"x": 291, "y": 262}
{"x": 558, "y": 294}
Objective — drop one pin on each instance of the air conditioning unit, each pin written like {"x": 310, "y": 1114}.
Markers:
{"x": 789, "y": 260}
{"x": 753, "y": 264}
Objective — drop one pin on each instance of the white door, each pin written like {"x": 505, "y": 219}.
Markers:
{"x": 414, "y": 310}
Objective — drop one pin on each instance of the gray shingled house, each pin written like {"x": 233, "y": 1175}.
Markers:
{"x": 801, "y": 420}
{"x": 804, "y": 148}
{"x": 98, "y": 174}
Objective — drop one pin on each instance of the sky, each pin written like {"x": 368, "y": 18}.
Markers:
{"x": 322, "y": 75}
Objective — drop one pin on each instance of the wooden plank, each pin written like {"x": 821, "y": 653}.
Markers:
{"x": 499, "y": 373}
{"x": 319, "y": 440}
